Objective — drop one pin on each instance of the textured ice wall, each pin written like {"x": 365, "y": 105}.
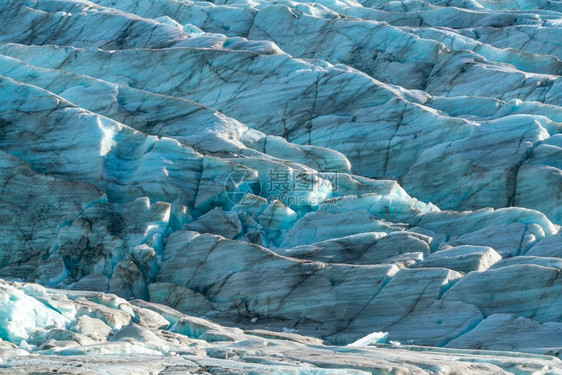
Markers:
{"x": 337, "y": 167}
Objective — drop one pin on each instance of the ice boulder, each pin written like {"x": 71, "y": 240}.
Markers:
{"x": 462, "y": 258}
{"x": 509, "y": 290}
{"x": 24, "y": 317}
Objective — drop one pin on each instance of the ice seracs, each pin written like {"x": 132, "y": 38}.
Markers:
{"x": 96, "y": 332}
{"x": 308, "y": 173}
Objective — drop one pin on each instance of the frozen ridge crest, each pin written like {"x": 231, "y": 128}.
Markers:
{"x": 281, "y": 187}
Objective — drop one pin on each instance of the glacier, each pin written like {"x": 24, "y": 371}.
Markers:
{"x": 288, "y": 186}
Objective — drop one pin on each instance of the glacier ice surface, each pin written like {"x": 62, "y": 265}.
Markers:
{"x": 311, "y": 173}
